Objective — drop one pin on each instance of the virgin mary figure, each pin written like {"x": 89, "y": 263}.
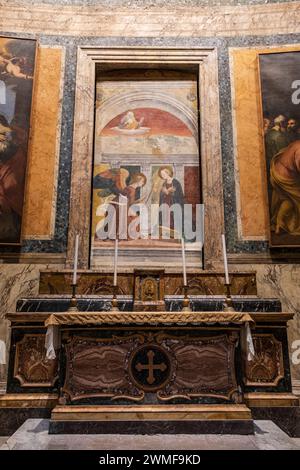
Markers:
{"x": 171, "y": 197}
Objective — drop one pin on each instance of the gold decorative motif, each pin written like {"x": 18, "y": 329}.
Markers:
{"x": 156, "y": 360}
{"x": 266, "y": 369}
{"x": 149, "y": 290}
{"x": 32, "y": 368}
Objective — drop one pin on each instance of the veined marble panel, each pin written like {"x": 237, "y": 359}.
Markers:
{"x": 170, "y": 21}
{"x": 42, "y": 175}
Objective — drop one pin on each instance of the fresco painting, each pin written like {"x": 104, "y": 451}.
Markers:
{"x": 146, "y": 150}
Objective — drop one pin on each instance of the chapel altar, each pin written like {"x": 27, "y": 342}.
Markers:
{"x": 149, "y": 370}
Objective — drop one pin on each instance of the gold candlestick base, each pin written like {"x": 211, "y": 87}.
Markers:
{"x": 114, "y": 302}
{"x": 186, "y": 305}
{"x": 73, "y": 301}
{"x": 228, "y": 305}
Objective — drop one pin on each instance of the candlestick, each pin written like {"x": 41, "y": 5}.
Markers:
{"x": 73, "y": 301}
{"x": 115, "y": 262}
{"x": 186, "y": 307}
{"x": 225, "y": 259}
{"x": 114, "y": 302}
{"x": 75, "y": 260}
{"x": 183, "y": 262}
{"x": 228, "y": 306}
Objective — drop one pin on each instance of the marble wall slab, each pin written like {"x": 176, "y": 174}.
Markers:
{"x": 41, "y": 188}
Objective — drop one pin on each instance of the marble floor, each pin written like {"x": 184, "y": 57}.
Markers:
{"x": 33, "y": 434}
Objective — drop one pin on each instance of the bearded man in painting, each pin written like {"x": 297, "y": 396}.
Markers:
{"x": 276, "y": 138}
{"x": 285, "y": 181}
{"x": 12, "y": 164}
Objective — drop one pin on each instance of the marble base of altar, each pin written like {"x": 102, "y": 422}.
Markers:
{"x": 153, "y": 419}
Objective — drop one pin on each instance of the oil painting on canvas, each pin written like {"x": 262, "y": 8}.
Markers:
{"x": 280, "y": 88}
{"x": 17, "y": 59}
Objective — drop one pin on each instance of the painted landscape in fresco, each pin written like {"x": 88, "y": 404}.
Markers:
{"x": 17, "y": 60}
{"x": 146, "y": 149}
{"x": 280, "y": 88}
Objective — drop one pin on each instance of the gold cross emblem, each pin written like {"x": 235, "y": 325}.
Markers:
{"x": 151, "y": 367}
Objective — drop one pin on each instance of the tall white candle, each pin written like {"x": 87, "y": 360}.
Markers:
{"x": 183, "y": 262}
{"x": 75, "y": 259}
{"x": 225, "y": 259}
{"x": 115, "y": 262}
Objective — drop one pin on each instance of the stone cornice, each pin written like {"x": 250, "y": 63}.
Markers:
{"x": 95, "y": 20}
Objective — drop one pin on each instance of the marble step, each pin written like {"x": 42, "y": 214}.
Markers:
{"x": 151, "y": 419}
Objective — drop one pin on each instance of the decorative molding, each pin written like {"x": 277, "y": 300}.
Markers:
{"x": 149, "y": 318}
{"x": 33, "y": 258}
{"x": 41, "y": 317}
{"x": 28, "y": 400}
{"x": 264, "y": 258}
{"x": 88, "y": 58}
{"x": 264, "y": 400}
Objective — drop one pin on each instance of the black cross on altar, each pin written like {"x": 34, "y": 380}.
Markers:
{"x": 151, "y": 367}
